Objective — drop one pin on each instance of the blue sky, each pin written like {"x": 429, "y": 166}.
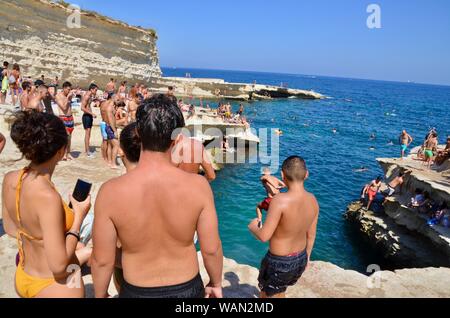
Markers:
{"x": 317, "y": 37}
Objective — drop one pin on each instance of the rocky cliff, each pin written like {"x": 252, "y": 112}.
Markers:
{"x": 35, "y": 34}
{"x": 401, "y": 233}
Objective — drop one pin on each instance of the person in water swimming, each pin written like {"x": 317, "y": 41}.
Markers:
{"x": 290, "y": 229}
{"x": 47, "y": 230}
{"x": 165, "y": 206}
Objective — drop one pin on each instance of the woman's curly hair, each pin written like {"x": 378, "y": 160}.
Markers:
{"x": 38, "y": 136}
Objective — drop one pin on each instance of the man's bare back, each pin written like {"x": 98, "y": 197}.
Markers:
{"x": 190, "y": 156}
{"x": 290, "y": 228}
{"x": 156, "y": 224}
{"x": 299, "y": 210}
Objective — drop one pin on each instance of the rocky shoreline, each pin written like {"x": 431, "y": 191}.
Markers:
{"x": 399, "y": 233}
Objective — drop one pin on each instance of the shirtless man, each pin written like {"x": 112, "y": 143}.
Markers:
{"x": 154, "y": 226}
{"x": 88, "y": 116}
{"x": 190, "y": 156}
{"x": 372, "y": 190}
{"x": 291, "y": 230}
{"x": 273, "y": 186}
{"x": 430, "y": 147}
{"x": 64, "y": 101}
{"x": 133, "y": 105}
{"x": 25, "y": 96}
{"x": 36, "y": 100}
{"x": 405, "y": 141}
{"x": 111, "y": 87}
{"x": 396, "y": 183}
{"x": 108, "y": 113}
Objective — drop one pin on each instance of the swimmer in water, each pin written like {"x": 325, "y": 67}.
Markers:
{"x": 362, "y": 169}
{"x": 335, "y": 131}
{"x": 390, "y": 143}
{"x": 279, "y": 132}
{"x": 372, "y": 148}
{"x": 373, "y": 136}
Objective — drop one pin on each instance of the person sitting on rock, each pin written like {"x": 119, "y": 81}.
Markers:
{"x": 417, "y": 200}
{"x": 443, "y": 155}
{"x": 437, "y": 217}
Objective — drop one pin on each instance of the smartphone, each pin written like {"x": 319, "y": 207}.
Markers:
{"x": 82, "y": 191}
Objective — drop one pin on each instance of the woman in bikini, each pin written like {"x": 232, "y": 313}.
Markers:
{"x": 47, "y": 230}
{"x": 14, "y": 83}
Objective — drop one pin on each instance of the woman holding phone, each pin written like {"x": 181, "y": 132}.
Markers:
{"x": 47, "y": 230}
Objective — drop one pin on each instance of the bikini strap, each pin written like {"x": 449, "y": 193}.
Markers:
{"x": 18, "y": 190}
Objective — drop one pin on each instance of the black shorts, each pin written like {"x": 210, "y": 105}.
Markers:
{"x": 191, "y": 289}
{"x": 88, "y": 121}
{"x": 278, "y": 273}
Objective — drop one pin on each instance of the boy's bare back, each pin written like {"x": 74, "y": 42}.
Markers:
{"x": 299, "y": 213}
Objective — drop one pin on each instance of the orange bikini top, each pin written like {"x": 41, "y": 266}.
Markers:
{"x": 69, "y": 215}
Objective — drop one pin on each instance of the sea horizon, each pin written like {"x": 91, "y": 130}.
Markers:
{"x": 305, "y": 75}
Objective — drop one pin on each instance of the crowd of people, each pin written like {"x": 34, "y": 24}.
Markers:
{"x": 147, "y": 241}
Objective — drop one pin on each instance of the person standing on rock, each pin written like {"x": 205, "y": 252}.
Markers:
{"x": 64, "y": 101}
{"x": 88, "y": 117}
{"x": 405, "y": 142}
{"x": 372, "y": 190}
{"x": 155, "y": 228}
{"x": 4, "y": 82}
{"x": 290, "y": 229}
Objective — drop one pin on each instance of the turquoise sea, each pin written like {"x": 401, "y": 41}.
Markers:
{"x": 357, "y": 109}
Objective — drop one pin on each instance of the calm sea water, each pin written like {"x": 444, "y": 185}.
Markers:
{"x": 357, "y": 109}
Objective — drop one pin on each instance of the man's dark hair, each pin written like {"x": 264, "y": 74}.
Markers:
{"x": 294, "y": 169}
{"x": 131, "y": 143}
{"x": 92, "y": 86}
{"x": 379, "y": 178}
{"x": 5, "y": 64}
{"x": 26, "y": 85}
{"x": 170, "y": 88}
{"x": 157, "y": 118}
{"x": 67, "y": 84}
